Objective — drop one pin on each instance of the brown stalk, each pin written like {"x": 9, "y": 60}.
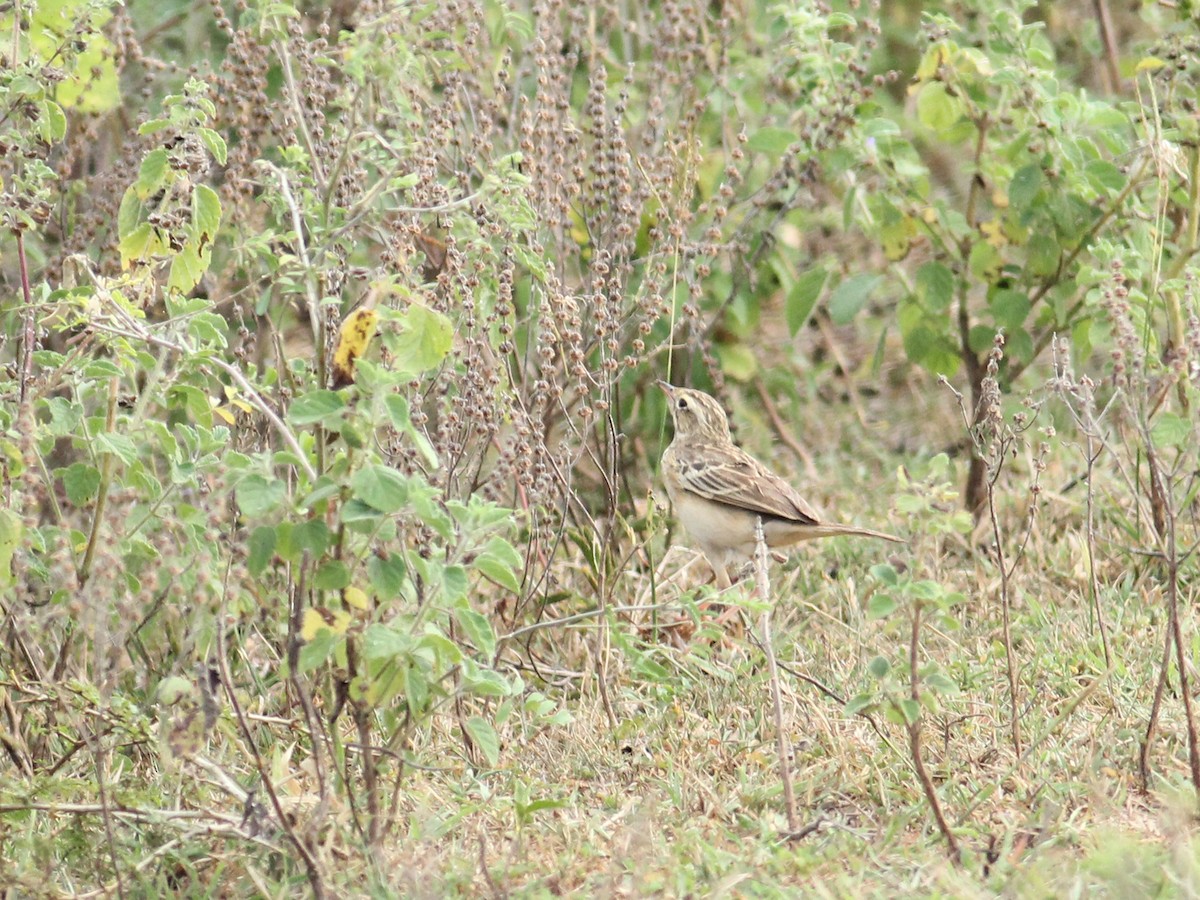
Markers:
{"x": 914, "y": 741}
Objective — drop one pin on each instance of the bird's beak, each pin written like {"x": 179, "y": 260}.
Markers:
{"x": 668, "y": 389}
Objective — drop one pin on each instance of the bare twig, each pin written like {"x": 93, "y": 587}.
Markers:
{"x": 782, "y": 748}
{"x": 913, "y": 725}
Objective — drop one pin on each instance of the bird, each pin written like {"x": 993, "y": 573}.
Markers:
{"x": 718, "y": 490}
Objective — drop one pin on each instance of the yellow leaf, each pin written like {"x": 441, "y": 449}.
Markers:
{"x": 1149, "y": 64}
{"x": 356, "y": 597}
{"x": 225, "y": 414}
{"x": 353, "y": 340}
{"x": 317, "y": 618}
{"x": 994, "y": 232}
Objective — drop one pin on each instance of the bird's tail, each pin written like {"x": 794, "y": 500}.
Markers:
{"x": 824, "y": 530}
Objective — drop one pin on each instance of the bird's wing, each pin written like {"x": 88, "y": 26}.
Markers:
{"x": 730, "y": 475}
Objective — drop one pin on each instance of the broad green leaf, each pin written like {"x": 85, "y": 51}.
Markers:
{"x": 885, "y": 573}
{"x": 802, "y": 298}
{"x": 500, "y": 562}
{"x": 879, "y": 667}
{"x": 311, "y": 535}
{"x": 454, "y": 582}
{"x": 142, "y": 242}
{"x": 1024, "y": 186}
{"x": 188, "y": 266}
{"x": 1104, "y": 176}
{"x": 82, "y": 483}
{"x": 315, "y": 652}
{"x": 1009, "y": 308}
{"x": 985, "y": 261}
{"x": 935, "y": 287}
{"x": 260, "y": 549}
{"x": 478, "y": 630}
{"x": 386, "y": 574}
{"x": 316, "y": 406}
{"x": 483, "y": 736}
{"x": 1171, "y": 430}
{"x": 380, "y": 487}
{"x": 331, "y": 575}
{"x": 936, "y": 108}
{"x": 850, "y": 296}
{"x": 215, "y": 144}
{"x": 206, "y": 211}
{"x": 257, "y": 496}
{"x": 383, "y": 642}
{"x": 771, "y": 140}
{"x": 152, "y": 175}
{"x": 11, "y": 527}
{"x": 422, "y": 341}
{"x": 119, "y": 445}
{"x": 880, "y": 606}
{"x": 940, "y": 683}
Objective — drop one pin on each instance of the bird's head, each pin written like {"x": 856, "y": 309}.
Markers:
{"x": 697, "y": 416}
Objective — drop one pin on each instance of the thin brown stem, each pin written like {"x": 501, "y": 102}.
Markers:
{"x": 914, "y": 741}
{"x": 1005, "y": 605}
{"x": 782, "y": 750}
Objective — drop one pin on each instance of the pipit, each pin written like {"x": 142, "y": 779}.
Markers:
{"x": 719, "y": 490}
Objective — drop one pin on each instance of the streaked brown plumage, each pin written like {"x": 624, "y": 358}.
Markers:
{"x": 718, "y": 489}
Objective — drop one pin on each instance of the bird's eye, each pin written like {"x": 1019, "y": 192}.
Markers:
{"x": 682, "y": 404}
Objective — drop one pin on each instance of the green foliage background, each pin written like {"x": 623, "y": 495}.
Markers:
{"x": 266, "y": 629}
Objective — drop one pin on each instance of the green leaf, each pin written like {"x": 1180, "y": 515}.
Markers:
{"x": 257, "y": 496}
{"x": 936, "y": 109}
{"x": 880, "y": 606}
{"x": 206, "y": 212}
{"x": 483, "y": 736}
{"x": 1025, "y": 185}
{"x": 771, "y": 140}
{"x": 1104, "y": 176}
{"x": 82, "y": 483}
{"x": 380, "y": 487}
{"x": 422, "y": 341}
{"x": 941, "y": 684}
{"x": 454, "y": 583}
{"x": 500, "y": 562}
{"x": 142, "y": 242}
{"x": 879, "y": 667}
{"x": 11, "y": 527}
{"x": 886, "y": 573}
{"x": 985, "y": 261}
{"x": 188, "y": 266}
{"x": 803, "y": 297}
{"x": 1171, "y": 430}
{"x": 311, "y": 535}
{"x": 119, "y": 446}
{"x": 1009, "y": 308}
{"x": 215, "y": 144}
{"x": 152, "y": 175}
{"x": 478, "y": 630}
{"x": 332, "y": 575}
{"x": 935, "y": 287}
{"x": 850, "y": 296}
{"x": 260, "y": 549}
{"x": 386, "y": 574}
{"x": 383, "y": 642}
{"x": 318, "y": 650}
{"x": 910, "y": 710}
{"x": 208, "y": 328}
{"x": 416, "y": 689}
{"x": 316, "y": 406}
